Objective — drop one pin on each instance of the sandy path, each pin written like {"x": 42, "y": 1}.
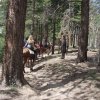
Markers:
{"x": 58, "y": 79}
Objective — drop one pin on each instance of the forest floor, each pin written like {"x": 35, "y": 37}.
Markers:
{"x": 58, "y": 79}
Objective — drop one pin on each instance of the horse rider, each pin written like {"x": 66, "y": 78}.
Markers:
{"x": 30, "y": 43}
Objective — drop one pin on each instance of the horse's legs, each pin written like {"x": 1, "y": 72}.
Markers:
{"x": 41, "y": 54}
{"x": 32, "y": 59}
{"x": 30, "y": 63}
{"x": 24, "y": 67}
{"x": 25, "y": 61}
{"x": 48, "y": 51}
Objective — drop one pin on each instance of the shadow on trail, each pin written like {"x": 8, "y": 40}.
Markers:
{"x": 74, "y": 50}
{"x": 43, "y": 60}
{"x": 46, "y": 58}
{"x": 9, "y": 94}
{"x": 74, "y": 72}
{"x": 60, "y": 74}
{"x": 67, "y": 73}
{"x": 67, "y": 79}
{"x": 38, "y": 68}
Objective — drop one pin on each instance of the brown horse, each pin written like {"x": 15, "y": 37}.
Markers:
{"x": 45, "y": 50}
{"x": 27, "y": 56}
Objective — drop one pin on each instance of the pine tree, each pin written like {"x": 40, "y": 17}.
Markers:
{"x": 12, "y": 70}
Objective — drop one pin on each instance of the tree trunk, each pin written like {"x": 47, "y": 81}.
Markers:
{"x": 12, "y": 73}
{"x": 99, "y": 58}
{"x": 46, "y": 29}
{"x": 41, "y": 33}
{"x": 45, "y": 22}
{"x": 83, "y": 35}
{"x": 99, "y": 50}
{"x": 54, "y": 30}
{"x": 33, "y": 20}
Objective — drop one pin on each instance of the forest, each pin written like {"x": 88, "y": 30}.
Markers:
{"x": 49, "y": 49}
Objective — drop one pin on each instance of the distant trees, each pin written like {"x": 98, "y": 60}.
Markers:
{"x": 94, "y": 25}
{"x": 12, "y": 70}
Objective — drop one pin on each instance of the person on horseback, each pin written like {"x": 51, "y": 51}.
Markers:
{"x": 30, "y": 43}
{"x": 30, "y": 47}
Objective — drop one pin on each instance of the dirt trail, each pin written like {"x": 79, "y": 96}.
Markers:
{"x": 58, "y": 79}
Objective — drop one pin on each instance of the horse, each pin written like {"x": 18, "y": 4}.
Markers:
{"x": 46, "y": 49}
{"x": 28, "y": 56}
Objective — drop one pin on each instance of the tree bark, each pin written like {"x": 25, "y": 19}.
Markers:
{"x": 12, "y": 73}
{"x": 46, "y": 29}
{"x": 83, "y": 35}
{"x": 45, "y": 22}
{"x": 99, "y": 58}
{"x": 33, "y": 18}
{"x": 41, "y": 33}
{"x": 54, "y": 30}
{"x": 99, "y": 50}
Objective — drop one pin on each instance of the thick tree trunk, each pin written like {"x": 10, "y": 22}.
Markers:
{"x": 83, "y": 36}
{"x": 13, "y": 55}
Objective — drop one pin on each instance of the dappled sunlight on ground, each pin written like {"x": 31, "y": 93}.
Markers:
{"x": 57, "y": 79}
